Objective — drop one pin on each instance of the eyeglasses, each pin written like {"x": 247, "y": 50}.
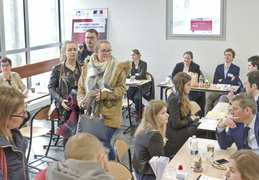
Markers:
{"x": 24, "y": 113}
{"x": 91, "y": 37}
{"x": 219, "y": 166}
{"x": 106, "y": 51}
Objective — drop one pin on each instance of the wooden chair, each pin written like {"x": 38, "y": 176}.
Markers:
{"x": 119, "y": 171}
{"x": 194, "y": 107}
{"x": 36, "y": 131}
{"x": 121, "y": 147}
{"x": 168, "y": 91}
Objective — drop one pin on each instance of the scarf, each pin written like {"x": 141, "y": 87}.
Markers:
{"x": 100, "y": 74}
{"x": 68, "y": 129}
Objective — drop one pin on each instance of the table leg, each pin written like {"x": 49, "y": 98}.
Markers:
{"x": 161, "y": 92}
{"x": 140, "y": 102}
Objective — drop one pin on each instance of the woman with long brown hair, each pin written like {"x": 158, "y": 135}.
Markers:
{"x": 180, "y": 125}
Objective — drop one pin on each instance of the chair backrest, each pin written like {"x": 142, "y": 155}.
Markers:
{"x": 31, "y": 131}
{"x": 151, "y": 94}
{"x": 42, "y": 113}
{"x": 168, "y": 91}
{"x": 119, "y": 171}
{"x": 121, "y": 147}
{"x": 194, "y": 107}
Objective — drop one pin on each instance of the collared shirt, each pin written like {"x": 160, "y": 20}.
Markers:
{"x": 251, "y": 136}
{"x": 226, "y": 71}
{"x": 256, "y": 97}
{"x": 16, "y": 81}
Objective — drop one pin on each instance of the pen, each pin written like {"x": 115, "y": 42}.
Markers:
{"x": 198, "y": 177}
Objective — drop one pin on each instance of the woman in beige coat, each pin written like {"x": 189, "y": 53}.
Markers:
{"x": 105, "y": 78}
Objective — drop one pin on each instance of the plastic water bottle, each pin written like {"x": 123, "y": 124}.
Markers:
{"x": 201, "y": 79}
{"x": 169, "y": 78}
{"x": 37, "y": 89}
{"x": 180, "y": 173}
{"x": 194, "y": 146}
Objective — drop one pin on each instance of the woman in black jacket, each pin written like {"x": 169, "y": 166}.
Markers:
{"x": 71, "y": 71}
{"x": 138, "y": 72}
{"x": 180, "y": 124}
{"x": 188, "y": 66}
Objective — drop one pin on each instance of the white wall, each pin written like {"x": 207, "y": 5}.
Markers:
{"x": 141, "y": 24}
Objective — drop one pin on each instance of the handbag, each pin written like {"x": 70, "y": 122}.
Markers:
{"x": 3, "y": 165}
{"x": 53, "y": 110}
{"x": 93, "y": 123}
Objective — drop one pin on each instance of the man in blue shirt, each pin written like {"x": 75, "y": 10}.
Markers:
{"x": 243, "y": 125}
{"x": 226, "y": 73}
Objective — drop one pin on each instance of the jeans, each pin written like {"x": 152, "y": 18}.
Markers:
{"x": 109, "y": 133}
{"x": 133, "y": 94}
{"x": 140, "y": 176}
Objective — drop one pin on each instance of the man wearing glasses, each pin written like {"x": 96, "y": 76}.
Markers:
{"x": 87, "y": 49}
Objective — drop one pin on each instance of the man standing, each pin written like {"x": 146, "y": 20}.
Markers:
{"x": 226, "y": 73}
{"x": 91, "y": 37}
{"x": 243, "y": 125}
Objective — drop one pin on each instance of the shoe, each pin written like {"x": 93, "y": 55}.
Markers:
{"x": 137, "y": 113}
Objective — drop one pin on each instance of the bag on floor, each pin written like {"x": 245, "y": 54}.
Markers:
{"x": 93, "y": 123}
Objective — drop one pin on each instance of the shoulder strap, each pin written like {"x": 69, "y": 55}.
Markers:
{"x": 60, "y": 74}
{"x": 3, "y": 165}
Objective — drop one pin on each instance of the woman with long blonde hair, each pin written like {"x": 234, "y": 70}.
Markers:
{"x": 150, "y": 138}
{"x": 180, "y": 125}
{"x": 63, "y": 85}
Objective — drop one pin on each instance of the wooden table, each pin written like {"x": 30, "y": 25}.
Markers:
{"x": 183, "y": 158}
{"x": 35, "y": 96}
{"x": 139, "y": 84}
{"x": 212, "y": 88}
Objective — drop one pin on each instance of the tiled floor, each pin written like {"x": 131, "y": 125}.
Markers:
{"x": 57, "y": 152}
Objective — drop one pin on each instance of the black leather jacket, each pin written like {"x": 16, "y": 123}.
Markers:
{"x": 53, "y": 85}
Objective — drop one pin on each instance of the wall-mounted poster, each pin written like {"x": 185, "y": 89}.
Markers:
{"x": 89, "y": 18}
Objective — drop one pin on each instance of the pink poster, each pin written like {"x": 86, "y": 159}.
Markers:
{"x": 89, "y": 19}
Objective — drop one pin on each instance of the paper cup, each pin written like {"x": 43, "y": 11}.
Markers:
{"x": 32, "y": 90}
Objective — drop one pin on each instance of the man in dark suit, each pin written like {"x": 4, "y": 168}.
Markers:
{"x": 245, "y": 117}
{"x": 226, "y": 73}
{"x": 253, "y": 65}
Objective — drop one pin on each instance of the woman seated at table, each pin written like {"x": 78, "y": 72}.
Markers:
{"x": 243, "y": 165}
{"x": 138, "y": 72}
{"x": 9, "y": 78}
{"x": 181, "y": 124}
{"x": 150, "y": 138}
{"x": 188, "y": 66}
{"x": 12, "y": 144}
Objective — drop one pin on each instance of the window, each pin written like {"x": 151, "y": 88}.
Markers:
{"x": 30, "y": 32}
{"x": 196, "y": 19}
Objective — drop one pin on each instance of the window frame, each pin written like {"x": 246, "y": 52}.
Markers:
{"x": 27, "y": 49}
{"x": 171, "y": 36}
